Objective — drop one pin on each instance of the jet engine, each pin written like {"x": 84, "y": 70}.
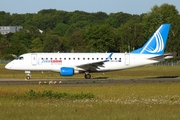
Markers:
{"x": 66, "y": 71}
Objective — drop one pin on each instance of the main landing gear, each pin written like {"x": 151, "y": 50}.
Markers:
{"x": 87, "y": 75}
{"x": 28, "y": 76}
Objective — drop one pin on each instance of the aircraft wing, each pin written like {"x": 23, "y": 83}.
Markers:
{"x": 92, "y": 66}
{"x": 163, "y": 56}
{"x": 95, "y": 65}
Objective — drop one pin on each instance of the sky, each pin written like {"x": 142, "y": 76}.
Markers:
{"x": 108, "y": 6}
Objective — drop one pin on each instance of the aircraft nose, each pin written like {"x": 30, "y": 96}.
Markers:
{"x": 8, "y": 66}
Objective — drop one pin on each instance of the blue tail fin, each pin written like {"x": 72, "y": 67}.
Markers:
{"x": 157, "y": 43}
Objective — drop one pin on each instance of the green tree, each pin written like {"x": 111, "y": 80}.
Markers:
{"x": 81, "y": 16}
{"x": 173, "y": 43}
{"x": 130, "y": 36}
{"x": 76, "y": 42}
{"x": 116, "y": 19}
{"x": 158, "y": 15}
{"x": 61, "y": 29}
{"x": 45, "y": 19}
{"x": 5, "y": 18}
{"x": 28, "y": 20}
{"x": 31, "y": 31}
{"x": 37, "y": 45}
{"x": 17, "y": 48}
{"x": 4, "y": 45}
{"x": 77, "y": 27}
{"x": 164, "y": 14}
{"x": 100, "y": 38}
{"x": 17, "y": 19}
{"x": 100, "y": 15}
{"x": 52, "y": 43}
{"x": 24, "y": 37}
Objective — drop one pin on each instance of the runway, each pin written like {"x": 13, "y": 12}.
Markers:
{"x": 86, "y": 82}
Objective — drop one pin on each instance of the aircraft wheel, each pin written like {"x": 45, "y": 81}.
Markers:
{"x": 28, "y": 77}
{"x": 87, "y": 76}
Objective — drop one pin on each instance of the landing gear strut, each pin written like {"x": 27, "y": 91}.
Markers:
{"x": 28, "y": 76}
{"x": 87, "y": 75}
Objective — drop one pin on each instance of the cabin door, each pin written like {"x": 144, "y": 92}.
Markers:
{"x": 34, "y": 59}
{"x": 127, "y": 59}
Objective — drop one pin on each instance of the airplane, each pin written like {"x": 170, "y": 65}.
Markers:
{"x": 68, "y": 64}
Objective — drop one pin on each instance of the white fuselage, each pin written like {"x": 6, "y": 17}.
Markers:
{"x": 55, "y": 61}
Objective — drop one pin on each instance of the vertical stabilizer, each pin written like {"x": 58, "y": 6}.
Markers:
{"x": 157, "y": 43}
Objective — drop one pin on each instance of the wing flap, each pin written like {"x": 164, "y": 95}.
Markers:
{"x": 92, "y": 66}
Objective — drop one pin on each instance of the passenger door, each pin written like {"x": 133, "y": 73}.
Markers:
{"x": 127, "y": 59}
{"x": 34, "y": 59}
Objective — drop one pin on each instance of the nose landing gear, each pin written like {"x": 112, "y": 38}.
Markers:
{"x": 28, "y": 76}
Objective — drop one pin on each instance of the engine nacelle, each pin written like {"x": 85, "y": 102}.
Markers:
{"x": 66, "y": 71}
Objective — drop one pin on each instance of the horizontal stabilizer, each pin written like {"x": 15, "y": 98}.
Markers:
{"x": 164, "y": 56}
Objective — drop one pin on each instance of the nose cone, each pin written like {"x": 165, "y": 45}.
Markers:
{"x": 8, "y": 66}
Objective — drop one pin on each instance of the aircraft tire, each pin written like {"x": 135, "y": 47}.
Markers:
{"x": 87, "y": 76}
{"x": 28, "y": 77}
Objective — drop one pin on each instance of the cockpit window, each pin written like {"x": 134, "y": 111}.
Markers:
{"x": 20, "y": 58}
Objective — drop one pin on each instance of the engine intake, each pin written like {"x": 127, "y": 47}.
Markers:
{"x": 66, "y": 71}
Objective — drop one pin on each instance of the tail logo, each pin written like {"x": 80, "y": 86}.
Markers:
{"x": 155, "y": 44}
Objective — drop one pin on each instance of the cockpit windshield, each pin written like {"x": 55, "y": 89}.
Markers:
{"x": 20, "y": 58}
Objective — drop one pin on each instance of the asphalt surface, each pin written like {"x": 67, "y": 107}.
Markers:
{"x": 86, "y": 82}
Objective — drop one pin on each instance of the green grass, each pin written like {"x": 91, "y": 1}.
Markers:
{"x": 139, "y": 72}
{"x": 107, "y": 102}
{"x": 135, "y": 102}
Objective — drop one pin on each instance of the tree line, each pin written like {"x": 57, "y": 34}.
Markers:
{"x": 52, "y": 30}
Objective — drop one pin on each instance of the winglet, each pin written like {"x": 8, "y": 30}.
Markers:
{"x": 107, "y": 59}
{"x": 157, "y": 43}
